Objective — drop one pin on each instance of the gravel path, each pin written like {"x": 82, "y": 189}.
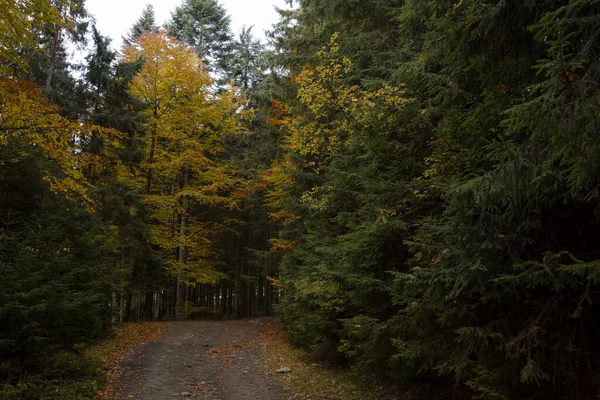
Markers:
{"x": 203, "y": 360}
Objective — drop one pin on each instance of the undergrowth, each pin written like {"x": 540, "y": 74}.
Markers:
{"x": 83, "y": 373}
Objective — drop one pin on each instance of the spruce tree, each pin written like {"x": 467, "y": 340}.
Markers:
{"x": 205, "y": 25}
{"x": 146, "y": 23}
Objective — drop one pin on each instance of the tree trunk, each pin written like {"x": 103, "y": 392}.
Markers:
{"x": 268, "y": 296}
{"x": 210, "y": 301}
{"x": 260, "y": 298}
{"x": 165, "y": 304}
{"x": 249, "y": 298}
{"x": 230, "y": 302}
{"x": 127, "y": 316}
{"x": 150, "y": 161}
{"x": 53, "y": 55}
{"x": 181, "y": 307}
{"x": 215, "y": 300}
{"x": 148, "y": 305}
{"x": 158, "y": 305}
{"x": 116, "y": 307}
{"x": 224, "y": 299}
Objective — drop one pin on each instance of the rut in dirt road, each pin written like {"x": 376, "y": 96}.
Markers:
{"x": 204, "y": 360}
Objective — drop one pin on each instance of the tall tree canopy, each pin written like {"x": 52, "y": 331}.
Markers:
{"x": 248, "y": 65}
{"x": 185, "y": 129}
{"x": 146, "y": 23}
{"x": 204, "y": 25}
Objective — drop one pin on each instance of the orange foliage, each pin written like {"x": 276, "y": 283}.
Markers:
{"x": 28, "y": 120}
{"x": 283, "y": 216}
{"x": 283, "y": 245}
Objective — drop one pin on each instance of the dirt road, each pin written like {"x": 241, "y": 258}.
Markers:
{"x": 202, "y": 360}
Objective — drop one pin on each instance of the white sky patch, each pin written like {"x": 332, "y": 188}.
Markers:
{"x": 114, "y": 18}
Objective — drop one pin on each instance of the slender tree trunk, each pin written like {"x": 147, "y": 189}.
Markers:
{"x": 268, "y": 296}
{"x": 224, "y": 299}
{"x": 202, "y": 295}
{"x": 181, "y": 287}
{"x": 217, "y": 294}
{"x": 164, "y": 309}
{"x": 148, "y": 305}
{"x": 139, "y": 308}
{"x": 230, "y": 302}
{"x": 173, "y": 300}
{"x": 239, "y": 287}
{"x": 53, "y": 55}
{"x": 127, "y": 316}
{"x": 210, "y": 301}
{"x": 249, "y": 297}
{"x": 198, "y": 295}
{"x": 151, "y": 160}
{"x": 116, "y": 307}
{"x": 261, "y": 294}
{"x": 157, "y": 305}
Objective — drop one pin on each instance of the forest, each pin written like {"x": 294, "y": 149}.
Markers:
{"x": 412, "y": 186}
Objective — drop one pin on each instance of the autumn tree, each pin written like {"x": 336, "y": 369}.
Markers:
{"x": 18, "y": 31}
{"x": 183, "y": 176}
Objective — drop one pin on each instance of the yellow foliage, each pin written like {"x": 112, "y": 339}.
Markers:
{"x": 274, "y": 281}
{"x": 186, "y": 123}
{"x": 276, "y": 181}
{"x": 186, "y": 126}
{"x": 282, "y": 216}
{"x": 28, "y": 119}
{"x": 283, "y": 245}
{"x": 336, "y": 112}
{"x": 18, "y": 23}
{"x": 325, "y": 94}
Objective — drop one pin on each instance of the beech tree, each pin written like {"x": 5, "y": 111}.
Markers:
{"x": 186, "y": 124}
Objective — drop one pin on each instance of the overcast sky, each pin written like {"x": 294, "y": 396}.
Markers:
{"x": 115, "y": 17}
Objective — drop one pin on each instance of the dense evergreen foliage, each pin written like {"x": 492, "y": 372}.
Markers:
{"x": 416, "y": 181}
{"x": 459, "y": 240}
{"x": 204, "y": 25}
